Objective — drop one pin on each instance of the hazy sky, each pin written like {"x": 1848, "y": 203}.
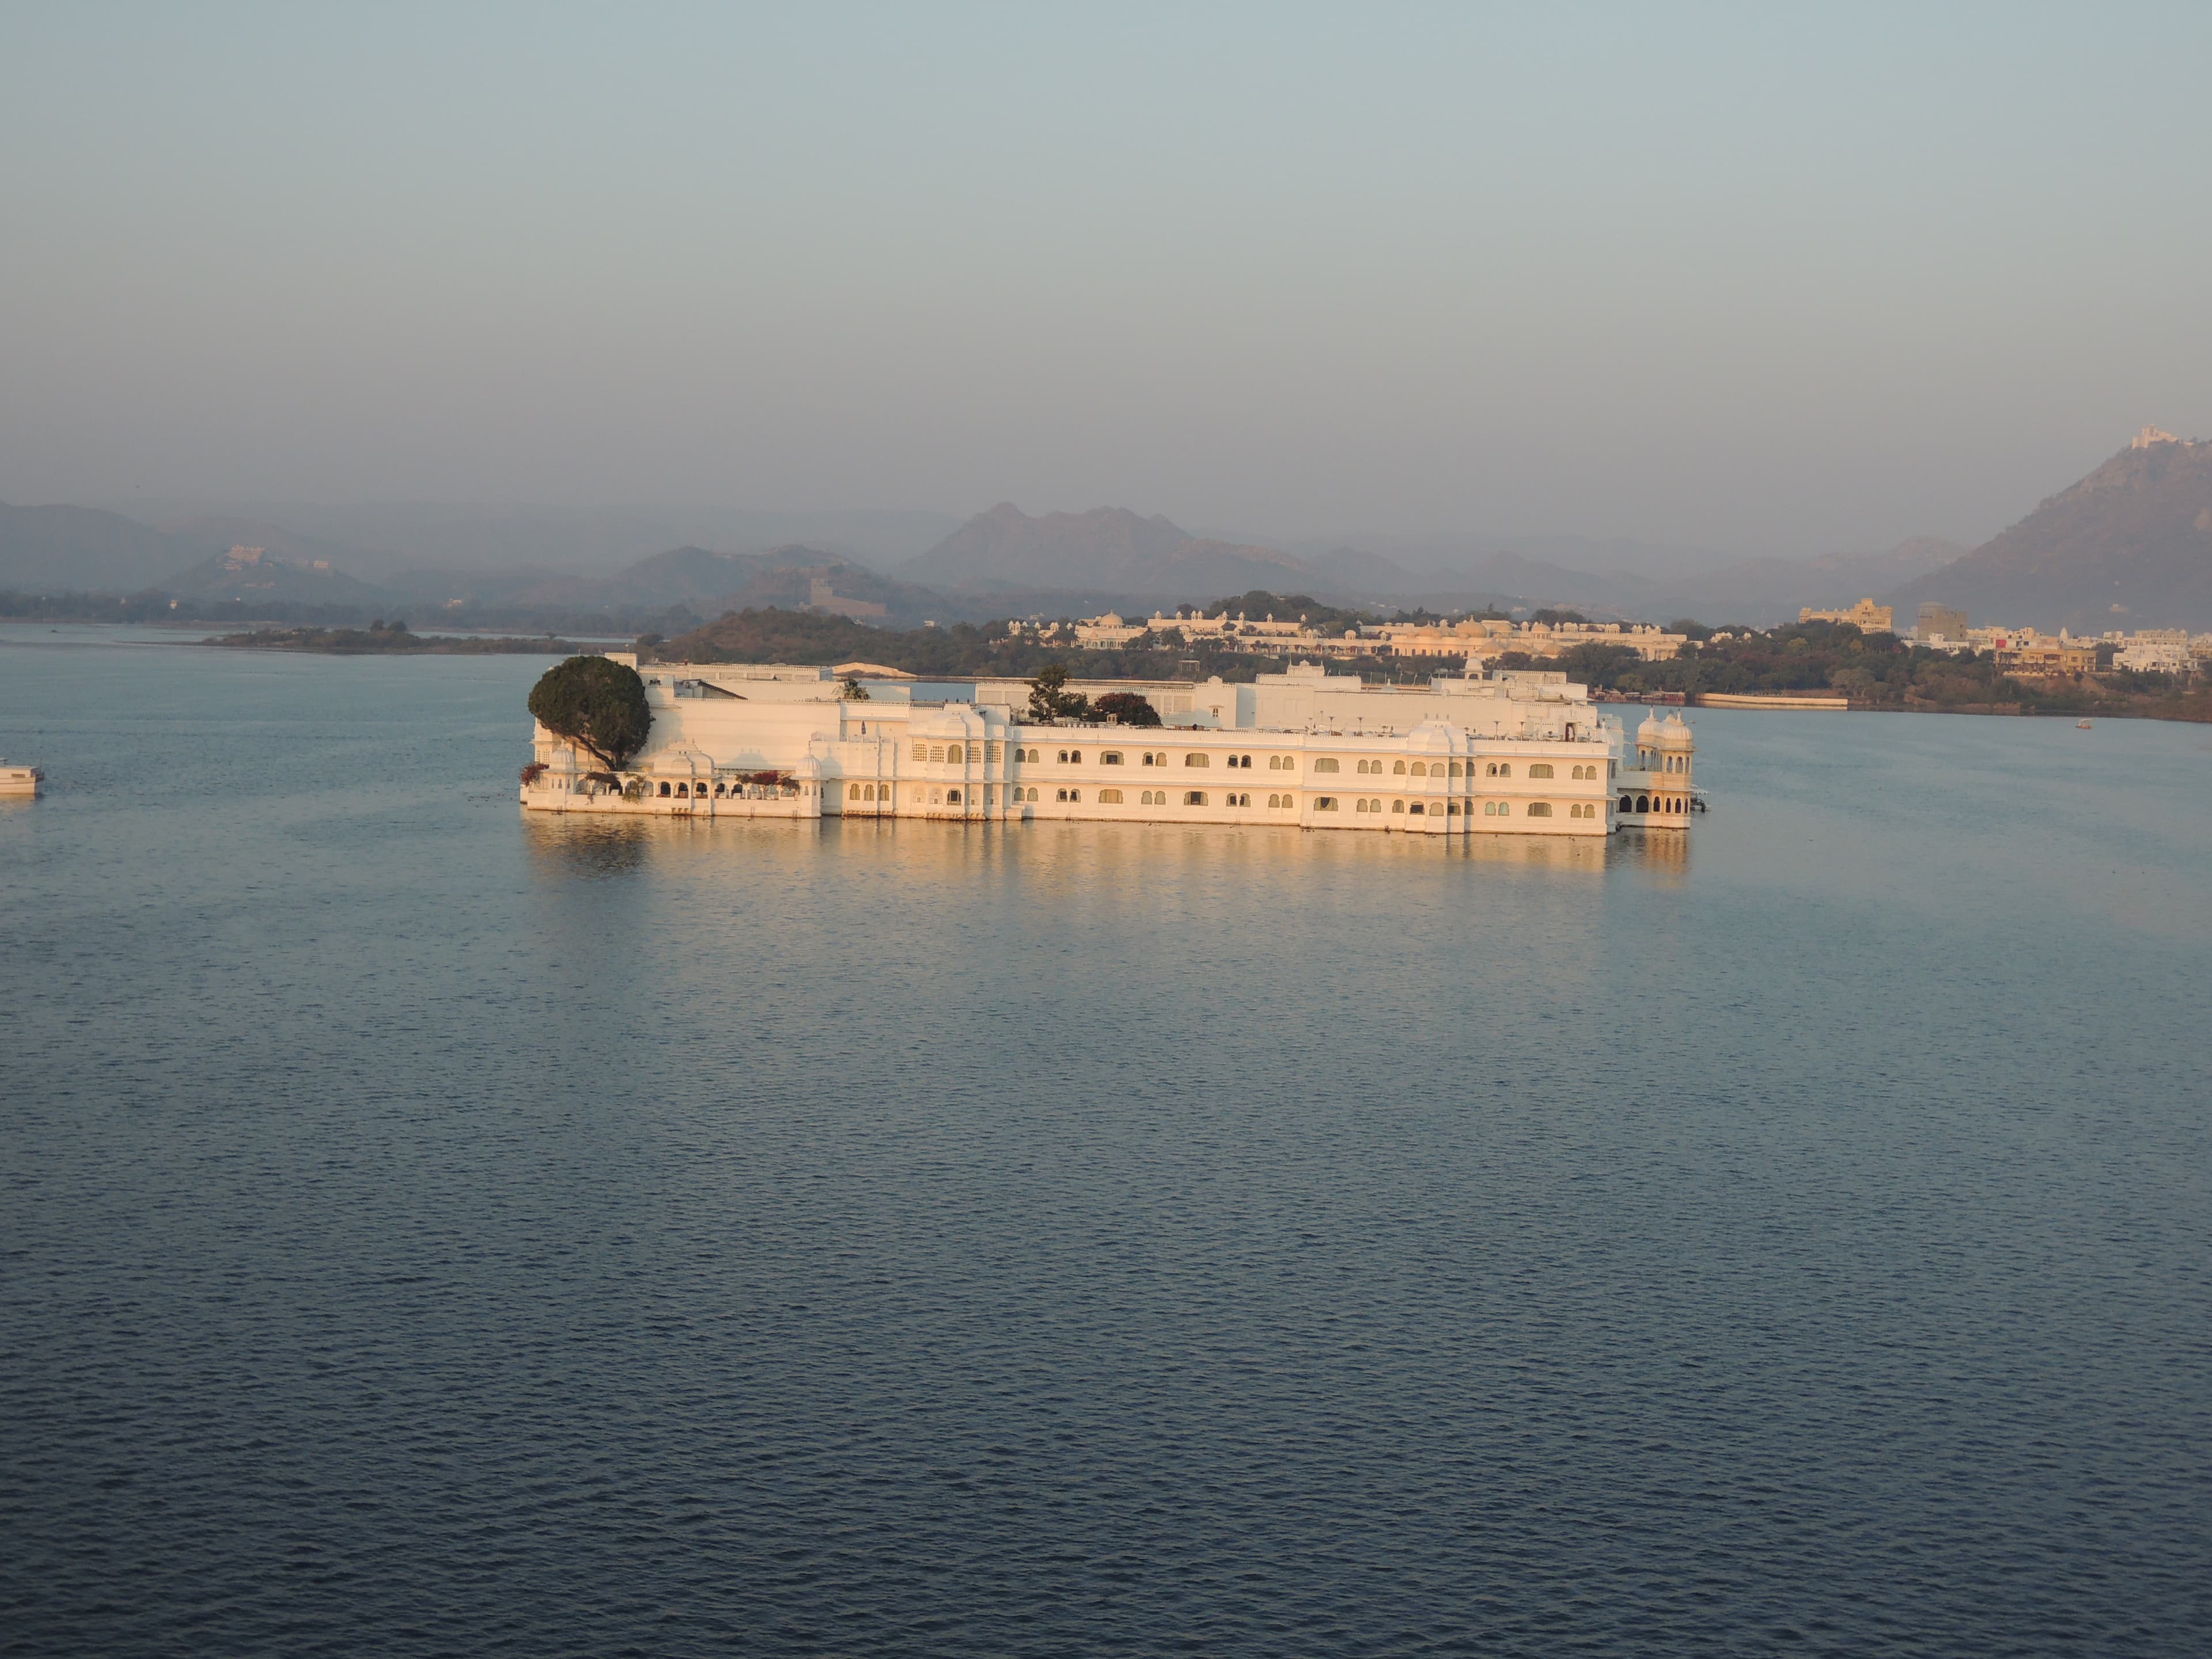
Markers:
{"x": 1763, "y": 278}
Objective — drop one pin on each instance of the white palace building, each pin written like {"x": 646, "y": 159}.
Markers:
{"x": 1521, "y": 754}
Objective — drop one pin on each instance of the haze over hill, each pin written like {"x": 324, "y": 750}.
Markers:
{"x": 1106, "y": 549}
{"x": 2128, "y": 546}
{"x": 82, "y": 548}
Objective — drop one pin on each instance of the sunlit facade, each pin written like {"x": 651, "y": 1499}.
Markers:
{"x": 1522, "y": 755}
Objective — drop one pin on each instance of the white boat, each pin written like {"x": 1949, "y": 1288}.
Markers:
{"x": 20, "y": 780}
{"x": 2081, "y": 725}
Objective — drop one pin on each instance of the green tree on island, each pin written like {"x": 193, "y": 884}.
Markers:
{"x": 597, "y": 704}
{"x": 1126, "y": 708}
{"x": 1051, "y": 702}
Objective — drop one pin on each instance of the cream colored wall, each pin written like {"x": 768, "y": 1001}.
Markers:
{"x": 889, "y": 746}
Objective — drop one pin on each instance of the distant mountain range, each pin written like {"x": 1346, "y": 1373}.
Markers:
{"x": 2129, "y": 546}
{"x": 1107, "y": 549}
{"x": 1136, "y": 560}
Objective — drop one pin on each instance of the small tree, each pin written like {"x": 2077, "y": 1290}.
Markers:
{"x": 1051, "y": 702}
{"x": 595, "y": 703}
{"x": 854, "y": 691}
{"x": 1126, "y": 708}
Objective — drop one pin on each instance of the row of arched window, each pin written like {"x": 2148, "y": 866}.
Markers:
{"x": 956, "y": 754}
{"x": 698, "y": 791}
{"x": 1663, "y": 804}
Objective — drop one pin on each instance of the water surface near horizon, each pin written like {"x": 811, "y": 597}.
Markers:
{"x": 429, "y": 1230}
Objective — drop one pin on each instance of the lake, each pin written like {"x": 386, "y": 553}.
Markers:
{"x": 428, "y": 1231}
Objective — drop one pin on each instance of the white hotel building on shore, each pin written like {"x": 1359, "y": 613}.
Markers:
{"x": 1519, "y": 754}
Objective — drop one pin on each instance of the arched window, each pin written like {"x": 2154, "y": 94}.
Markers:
{"x": 663, "y": 788}
{"x": 1075, "y": 757}
{"x": 1274, "y": 801}
{"x": 1400, "y": 769}
{"x": 1325, "y": 765}
{"x": 1397, "y": 806}
{"x": 854, "y": 794}
{"x": 1148, "y": 759}
{"x": 1063, "y": 757}
{"x": 1325, "y": 803}
{"x": 1627, "y": 804}
{"x": 868, "y": 792}
{"x": 1274, "y": 762}
{"x": 1194, "y": 798}
{"x": 952, "y": 751}
{"x": 1060, "y": 794}
{"x": 1541, "y": 770}
{"x": 1109, "y": 797}
{"x": 1360, "y": 805}
{"x": 1643, "y": 803}
{"x": 1421, "y": 768}
{"x": 1455, "y": 768}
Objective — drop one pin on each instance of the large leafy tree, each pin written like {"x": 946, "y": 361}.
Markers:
{"x": 597, "y": 704}
{"x": 1126, "y": 708}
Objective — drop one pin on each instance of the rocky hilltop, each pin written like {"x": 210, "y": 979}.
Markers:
{"x": 2128, "y": 546}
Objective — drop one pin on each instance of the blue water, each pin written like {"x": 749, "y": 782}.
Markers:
{"x": 428, "y": 1231}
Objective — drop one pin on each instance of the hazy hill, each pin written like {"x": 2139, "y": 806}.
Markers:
{"x": 82, "y": 549}
{"x": 2129, "y": 546}
{"x": 1107, "y": 549}
{"x": 700, "y": 579}
{"x": 279, "y": 541}
{"x": 1764, "y": 592}
{"x": 378, "y": 540}
{"x": 271, "y": 579}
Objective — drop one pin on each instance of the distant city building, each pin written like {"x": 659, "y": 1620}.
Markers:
{"x": 2046, "y": 659}
{"x": 1938, "y": 621}
{"x": 2157, "y": 651}
{"x": 1866, "y": 615}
